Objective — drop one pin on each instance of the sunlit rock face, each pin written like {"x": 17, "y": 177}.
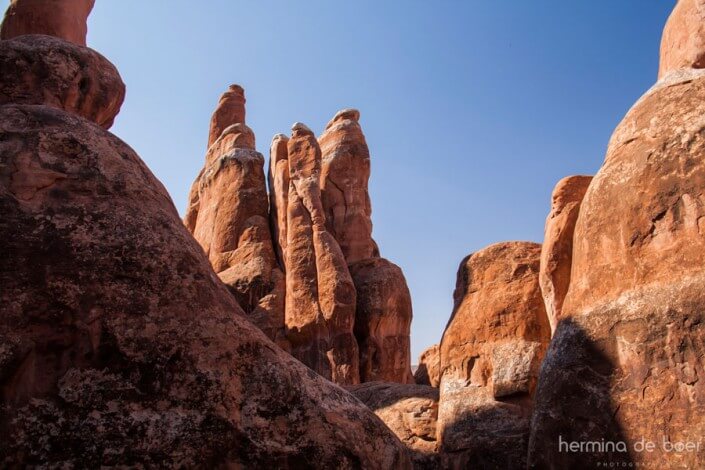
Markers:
{"x": 64, "y": 19}
{"x": 411, "y": 412}
{"x": 490, "y": 355}
{"x": 683, "y": 40}
{"x": 119, "y": 345}
{"x": 228, "y": 214}
{"x": 428, "y": 370}
{"x": 320, "y": 294}
{"x": 627, "y": 360}
{"x": 557, "y": 248}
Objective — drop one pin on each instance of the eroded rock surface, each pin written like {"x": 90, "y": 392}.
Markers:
{"x": 45, "y": 70}
{"x": 382, "y": 321}
{"x": 230, "y": 110}
{"x": 428, "y": 370}
{"x": 65, "y": 19}
{"x": 411, "y": 412}
{"x": 627, "y": 359}
{"x": 320, "y": 294}
{"x": 557, "y": 248}
{"x": 279, "y": 193}
{"x": 490, "y": 355}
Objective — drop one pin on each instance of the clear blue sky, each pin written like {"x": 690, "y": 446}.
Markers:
{"x": 472, "y": 110}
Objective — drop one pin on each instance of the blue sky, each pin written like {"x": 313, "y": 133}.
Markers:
{"x": 472, "y": 110}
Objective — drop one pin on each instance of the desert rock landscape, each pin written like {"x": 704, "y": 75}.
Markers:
{"x": 266, "y": 330}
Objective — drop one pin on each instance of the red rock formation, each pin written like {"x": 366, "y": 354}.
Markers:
{"x": 65, "y": 19}
{"x": 626, "y": 361}
{"x": 344, "y": 176}
{"x": 228, "y": 216}
{"x": 411, "y": 412}
{"x": 683, "y": 41}
{"x": 382, "y": 321}
{"x": 429, "y": 367}
{"x": 52, "y": 72}
{"x": 490, "y": 353}
{"x": 279, "y": 192}
{"x": 230, "y": 110}
{"x": 320, "y": 295}
{"x": 120, "y": 347}
{"x": 557, "y": 248}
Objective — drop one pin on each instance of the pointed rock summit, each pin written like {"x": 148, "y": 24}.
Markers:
{"x": 64, "y": 19}
{"x": 230, "y": 110}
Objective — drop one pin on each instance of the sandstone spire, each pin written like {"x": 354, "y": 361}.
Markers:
{"x": 65, "y": 19}
{"x": 278, "y": 192}
{"x": 557, "y": 249}
{"x": 683, "y": 40}
{"x": 228, "y": 216}
{"x": 230, "y": 110}
{"x": 320, "y": 295}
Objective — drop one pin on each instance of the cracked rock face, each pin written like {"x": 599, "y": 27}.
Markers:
{"x": 119, "y": 346}
{"x": 45, "y": 70}
{"x": 411, "y": 412}
{"x": 320, "y": 294}
{"x": 65, "y": 19}
{"x": 490, "y": 354}
{"x": 683, "y": 40}
{"x": 627, "y": 359}
{"x": 557, "y": 248}
{"x": 228, "y": 216}
{"x": 382, "y": 321}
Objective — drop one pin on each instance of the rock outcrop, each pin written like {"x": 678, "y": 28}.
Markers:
{"x": 228, "y": 215}
{"x": 230, "y": 110}
{"x": 683, "y": 41}
{"x": 428, "y": 370}
{"x": 320, "y": 294}
{"x": 279, "y": 192}
{"x": 626, "y": 361}
{"x": 59, "y": 18}
{"x": 490, "y": 354}
{"x": 411, "y": 412}
{"x": 382, "y": 321}
{"x": 344, "y": 178}
{"x": 38, "y": 69}
{"x": 557, "y": 248}
{"x": 119, "y": 345}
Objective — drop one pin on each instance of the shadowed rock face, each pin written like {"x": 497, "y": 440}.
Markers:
{"x": 49, "y": 71}
{"x": 410, "y": 411}
{"x": 382, "y": 321}
{"x": 557, "y": 248}
{"x": 490, "y": 354}
{"x": 65, "y": 19}
{"x": 320, "y": 294}
{"x": 228, "y": 216}
{"x": 429, "y": 367}
{"x": 279, "y": 192}
{"x": 637, "y": 286}
{"x": 683, "y": 41}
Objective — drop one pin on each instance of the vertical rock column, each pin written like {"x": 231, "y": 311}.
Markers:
{"x": 320, "y": 295}
{"x": 383, "y": 313}
{"x": 59, "y": 18}
{"x": 228, "y": 216}
{"x": 279, "y": 193}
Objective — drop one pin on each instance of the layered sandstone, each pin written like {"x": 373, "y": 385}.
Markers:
{"x": 411, "y": 412}
{"x": 49, "y": 71}
{"x": 627, "y": 361}
{"x": 65, "y": 19}
{"x": 382, "y": 321}
{"x": 683, "y": 41}
{"x": 119, "y": 345}
{"x": 320, "y": 294}
{"x": 490, "y": 354}
{"x": 344, "y": 178}
{"x": 228, "y": 215}
{"x": 428, "y": 370}
{"x": 557, "y": 248}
